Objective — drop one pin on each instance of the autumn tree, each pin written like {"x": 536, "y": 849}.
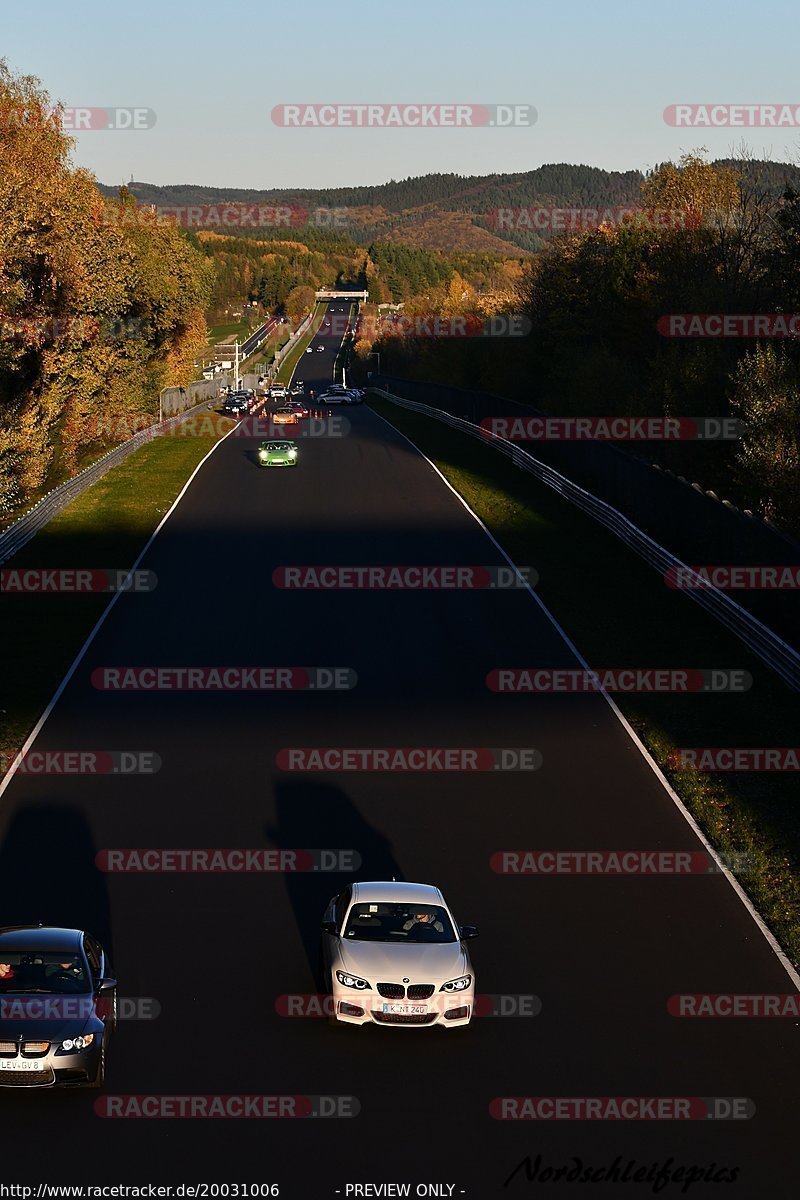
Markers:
{"x": 766, "y": 396}
{"x": 299, "y": 303}
{"x": 99, "y": 309}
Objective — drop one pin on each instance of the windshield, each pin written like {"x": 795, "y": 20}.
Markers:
{"x": 399, "y": 923}
{"x": 26, "y": 971}
{"x": 278, "y": 447}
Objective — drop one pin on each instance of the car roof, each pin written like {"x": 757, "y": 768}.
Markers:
{"x": 396, "y": 893}
{"x": 39, "y": 937}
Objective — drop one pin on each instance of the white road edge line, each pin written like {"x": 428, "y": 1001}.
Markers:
{"x": 12, "y": 770}
{"x": 774, "y": 944}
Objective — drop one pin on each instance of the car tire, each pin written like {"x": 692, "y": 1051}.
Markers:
{"x": 99, "y": 1080}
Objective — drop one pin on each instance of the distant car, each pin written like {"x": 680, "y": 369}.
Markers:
{"x": 277, "y": 454}
{"x": 393, "y": 954}
{"x": 320, "y": 349}
{"x": 284, "y": 416}
{"x": 308, "y": 349}
{"x": 338, "y": 395}
{"x": 297, "y": 389}
{"x": 58, "y": 1007}
{"x": 298, "y": 407}
{"x": 278, "y": 391}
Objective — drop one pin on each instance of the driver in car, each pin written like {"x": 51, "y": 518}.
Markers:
{"x": 64, "y": 970}
{"x": 426, "y": 919}
{"x": 6, "y": 972}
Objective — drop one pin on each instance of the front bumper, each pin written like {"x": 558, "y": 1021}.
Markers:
{"x": 444, "y": 1009}
{"x": 55, "y": 1070}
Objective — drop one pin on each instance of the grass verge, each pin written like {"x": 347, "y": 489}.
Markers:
{"x": 619, "y": 613}
{"x": 106, "y": 527}
{"x": 230, "y": 329}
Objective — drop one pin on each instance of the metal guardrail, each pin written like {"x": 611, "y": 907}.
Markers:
{"x": 251, "y": 343}
{"x": 302, "y": 328}
{"x": 27, "y": 526}
{"x": 776, "y": 654}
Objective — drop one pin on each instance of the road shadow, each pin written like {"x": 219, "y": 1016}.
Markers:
{"x": 317, "y": 816}
{"x": 48, "y": 873}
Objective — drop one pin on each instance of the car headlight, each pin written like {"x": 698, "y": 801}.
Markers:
{"x": 79, "y": 1043}
{"x": 292, "y": 454}
{"x": 456, "y": 985}
{"x": 352, "y": 981}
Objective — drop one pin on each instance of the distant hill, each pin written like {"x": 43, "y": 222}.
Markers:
{"x": 446, "y": 212}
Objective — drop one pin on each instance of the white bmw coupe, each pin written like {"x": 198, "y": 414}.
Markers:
{"x": 394, "y": 955}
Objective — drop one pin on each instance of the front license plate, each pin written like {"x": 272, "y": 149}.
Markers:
{"x": 21, "y": 1064}
{"x": 406, "y": 1010}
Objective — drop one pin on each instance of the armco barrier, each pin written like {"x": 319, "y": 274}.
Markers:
{"x": 676, "y": 512}
{"x": 302, "y": 328}
{"x": 776, "y": 654}
{"x": 28, "y": 525}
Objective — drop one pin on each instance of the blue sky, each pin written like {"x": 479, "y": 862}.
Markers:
{"x": 599, "y": 74}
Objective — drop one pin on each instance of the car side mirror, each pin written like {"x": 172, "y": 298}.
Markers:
{"x": 467, "y": 932}
{"x": 329, "y": 927}
{"x": 106, "y": 984}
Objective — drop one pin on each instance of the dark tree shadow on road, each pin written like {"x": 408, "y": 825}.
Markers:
{"x": 314, "y": 816}
{"x": 48, "y": 873}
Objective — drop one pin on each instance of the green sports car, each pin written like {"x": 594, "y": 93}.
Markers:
{"x": 277, "y": 454}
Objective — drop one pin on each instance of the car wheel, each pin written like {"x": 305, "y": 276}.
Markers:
{"x": 99, "y": 1080}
